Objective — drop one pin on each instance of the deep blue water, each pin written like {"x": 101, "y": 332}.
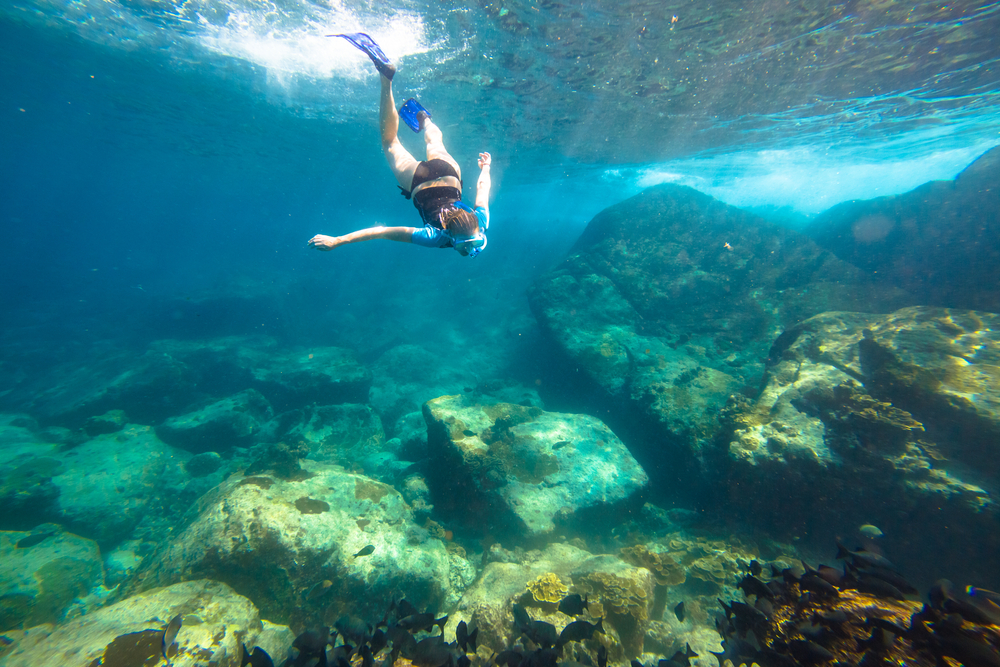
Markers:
{"x": 162, "y": 166}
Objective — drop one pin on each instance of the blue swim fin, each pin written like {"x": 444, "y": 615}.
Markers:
{"x": 368, "y": 45}
{"x": 410, "y": 113}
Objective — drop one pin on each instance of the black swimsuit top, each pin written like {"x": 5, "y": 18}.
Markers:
{"x": 430, "y": 201}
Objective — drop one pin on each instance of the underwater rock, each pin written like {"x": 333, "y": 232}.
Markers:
{"x": 280, "y": 460}
{"x": 27, "y": 493}
{"x": 342, "y": 434}
{"x": 214, "y": 621}
{"x": 203, "y": 464}
{"x": 940, "y": 241}
{"x": 231, "y": 422}
{"x": 44, "y": 573}
{"x": 618, "y": 591}
{"x": 520, "y": 469}
{"x": 884, "y": 419}
{"x": 407, "y": 376}
{"x": 259, "y": 536}
{"x": 111, "y": 421}
{"x": 670, "y": 300}
{"x": 149, "y": 389}
{"x": 123, "y": 470}
{"x": 174, "y": 377}
{"x": 311, "y": 376}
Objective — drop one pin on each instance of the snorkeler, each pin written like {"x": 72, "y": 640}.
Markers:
{"x": 435, "y": 185}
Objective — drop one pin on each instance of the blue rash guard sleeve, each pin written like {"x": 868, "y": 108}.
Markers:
{"x": 484, "y": 217}
{"x": 430, "y": 237}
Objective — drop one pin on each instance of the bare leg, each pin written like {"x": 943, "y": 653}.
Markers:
{"x": 400, "y": 161}
{"x": 435, "y": 145}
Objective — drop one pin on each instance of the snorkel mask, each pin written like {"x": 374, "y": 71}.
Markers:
{"x": 473, "y": 245}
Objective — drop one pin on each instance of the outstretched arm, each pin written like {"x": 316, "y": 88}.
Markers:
{"x": 483, "y": 185}
{"x": 403, "y": 234}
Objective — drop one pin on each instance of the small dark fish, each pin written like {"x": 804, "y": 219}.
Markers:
{"x": 521, "y": 618}
{"x": 809, "y": 653}
{"x": 402, "y": 641}
{"x": 572, "y": 605}
{"x": 367, "y": 657}
{"x": 751, "y": 585}
{"x": 873, "y": 586}
{"x": 378, "y": 641}
{"x": 341, "y": 656}
{"x": 32, "y": 540}
{"x": 259, "y": 658}
{"x": 755, "y": 568}
{"x": 863, "y": 557}
{"x": 312, "y": 642}
{"x": 764, "y": 606}
{"x": 579, "y": 631}
{"x": 817, "y": 584}
{"x": 560, "y": 444}
{"x": 431, "y": 652}
{"x": 464, "y": 638}
{"x": 170, "y": 633}
{"x": 787, "y": 575}
{"x": 543, "y": 657}
{"x": 509, "y": 658}
{"x": 890, "y": 576}
{"x": 602, "y": 656}
{"x": 542, "y": 633}
{"x": 468, "y": 434}
{"x": 425, "y": 621}
{"x": 679, "y": 611}
{"x": 830, "y": 574}
{"x": 317, "y": 590}
{"x": 353, "y": 629}
{"x": 966, "y": 649}
{"x": 366, "y": 551}
{"x": 834, "y": 618}
{"x": 405, "y": 608}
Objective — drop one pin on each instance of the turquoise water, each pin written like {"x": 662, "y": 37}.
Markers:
{"x": 164, "y": 164}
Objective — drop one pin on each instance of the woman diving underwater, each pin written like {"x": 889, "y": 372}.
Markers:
{"x": 435, "y": 184}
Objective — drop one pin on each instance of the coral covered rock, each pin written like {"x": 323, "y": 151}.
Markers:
{"x": 617, "y": 591}
{"x": 123, "y": 470}
{"x": 522, "y": 469}
{"x": 274, "y": 540}
{"x": 940, "y": 241}
{"x": 42, "y": 574}
{"x": 176, "y": 377}
{"x": 230, "y": 422}
{"x": 670, "y": 300}
{"x": 215, "y": 621}
{"x": 891, "y": 419}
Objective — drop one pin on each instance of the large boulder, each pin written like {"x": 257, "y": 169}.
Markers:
{"x": 940, "y": 242}
{"x": 44, "y": 573}
{"x": 27, "y": 494}
{"x": 670, "y": 300}
{"x": 333, "y": 542}
{"x": 220, "y": 425}
{"x": 523, "y": 470}
{"x": 174, "y": 377}
{"x": 215, "y": 621}
{"x": 892, "y": 420}
{"x": 120, "y": 470}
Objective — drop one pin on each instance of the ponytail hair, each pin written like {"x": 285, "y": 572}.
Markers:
{"x": 460, "y": 222}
